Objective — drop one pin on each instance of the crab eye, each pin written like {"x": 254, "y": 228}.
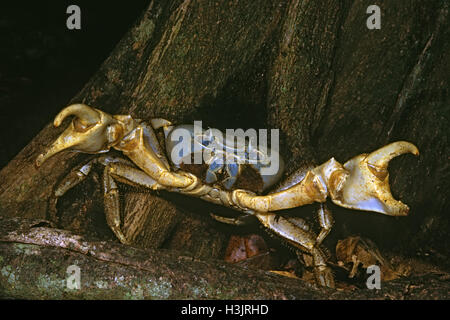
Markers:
{"x": 114, "y": 133}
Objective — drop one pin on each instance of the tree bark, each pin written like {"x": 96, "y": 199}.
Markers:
{"x": 333, "y": 87}
{"x": 34, "y": 260}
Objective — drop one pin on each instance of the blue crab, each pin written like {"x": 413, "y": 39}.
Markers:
{"x": 362, "y": 183}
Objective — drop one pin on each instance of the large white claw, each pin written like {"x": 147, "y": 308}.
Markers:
{"x": 367, "y": 185}
{"x": 91, "y": 131}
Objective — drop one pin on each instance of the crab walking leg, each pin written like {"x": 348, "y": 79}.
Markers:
{"x": 302, "y": 238}
{"x": 325, "y": 219}
{"x": 299, "y": 222}
{"x": 128, "y": 175}
{"x": 111, "y": 203}
{"x": 238, "y": 221}
{"x": 76, "y": 176}
{"x": 324, "y": 275}
{"x": 324, "y": 215}
{"x": 132, "y": 176}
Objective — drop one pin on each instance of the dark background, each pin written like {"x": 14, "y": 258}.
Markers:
{"x": 43, "y": 64}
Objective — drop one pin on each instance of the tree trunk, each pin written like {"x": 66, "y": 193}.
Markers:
{"x": 36, "y": 262}
{"x": 314, "y": 70}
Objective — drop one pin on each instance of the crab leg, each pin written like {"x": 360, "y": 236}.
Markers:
{"x": 325, "y": 219}
{"x": 111, "y": 201}
{"x": 298, "y": 233}
{"x": 142, "y": 148}
{"x": 116, "y": 169}
{"x": 238, "y": 221}
{"x": 76, "y": 176}
{"x": 125, "y": 174}
{"x": 306, "y": 192}
{"x": 315, "y": 186}
{"x": 133, "y": 176}
{"x": 301, "y": 238}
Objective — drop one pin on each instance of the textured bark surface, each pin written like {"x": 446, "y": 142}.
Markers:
{"x": 311, "y": 69}
{"x": 34, "y": 260}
